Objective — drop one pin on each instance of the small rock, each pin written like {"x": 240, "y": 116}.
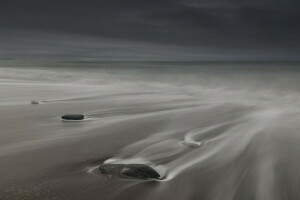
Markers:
{"x": 192, "y": 144}
{"x": 34, "y": 102}
{"x": 131, "y": 171}
{"x": 73, "y": 117}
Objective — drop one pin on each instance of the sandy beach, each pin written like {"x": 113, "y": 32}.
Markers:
{"x": 246, "y": 128}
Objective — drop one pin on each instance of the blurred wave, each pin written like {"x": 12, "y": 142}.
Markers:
{"x": 210, "y": 133}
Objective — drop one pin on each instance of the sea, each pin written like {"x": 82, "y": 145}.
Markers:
{"x": 212, "y": 130}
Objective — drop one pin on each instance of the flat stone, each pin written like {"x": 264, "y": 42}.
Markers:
{"x": 130, "y": 171}
{"x": 192, "y": 144}
{"x": 73, "y": 117}
{"x": 34, "y": 102}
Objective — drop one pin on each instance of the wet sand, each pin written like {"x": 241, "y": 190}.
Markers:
{"x": 247, "y": 134}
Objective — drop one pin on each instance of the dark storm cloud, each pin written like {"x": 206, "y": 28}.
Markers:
{"x": 227, "y": 24}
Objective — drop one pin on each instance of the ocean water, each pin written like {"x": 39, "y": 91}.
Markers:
{"x": 213, "y": 130}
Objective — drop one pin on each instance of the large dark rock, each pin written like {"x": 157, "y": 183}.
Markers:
{"x": 133, "y": 171}
{"x": 73, "y": 117}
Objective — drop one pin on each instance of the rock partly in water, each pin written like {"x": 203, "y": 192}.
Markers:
{"x": 73, "y": 117}
{"x": 130, "y": 171}
{"x": 190, "y": 143}
{"x": 34, "y": 102}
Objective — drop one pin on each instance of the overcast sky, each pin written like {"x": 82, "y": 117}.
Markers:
{"x": 151, "y": 29}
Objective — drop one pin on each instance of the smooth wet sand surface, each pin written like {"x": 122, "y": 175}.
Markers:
{"x": 246, "y": 126}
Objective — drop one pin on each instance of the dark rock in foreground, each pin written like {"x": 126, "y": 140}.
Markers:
{"x": 73, "y": 117}
{"x": 34, "y": 102}
{"x": 132, "y": 171}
